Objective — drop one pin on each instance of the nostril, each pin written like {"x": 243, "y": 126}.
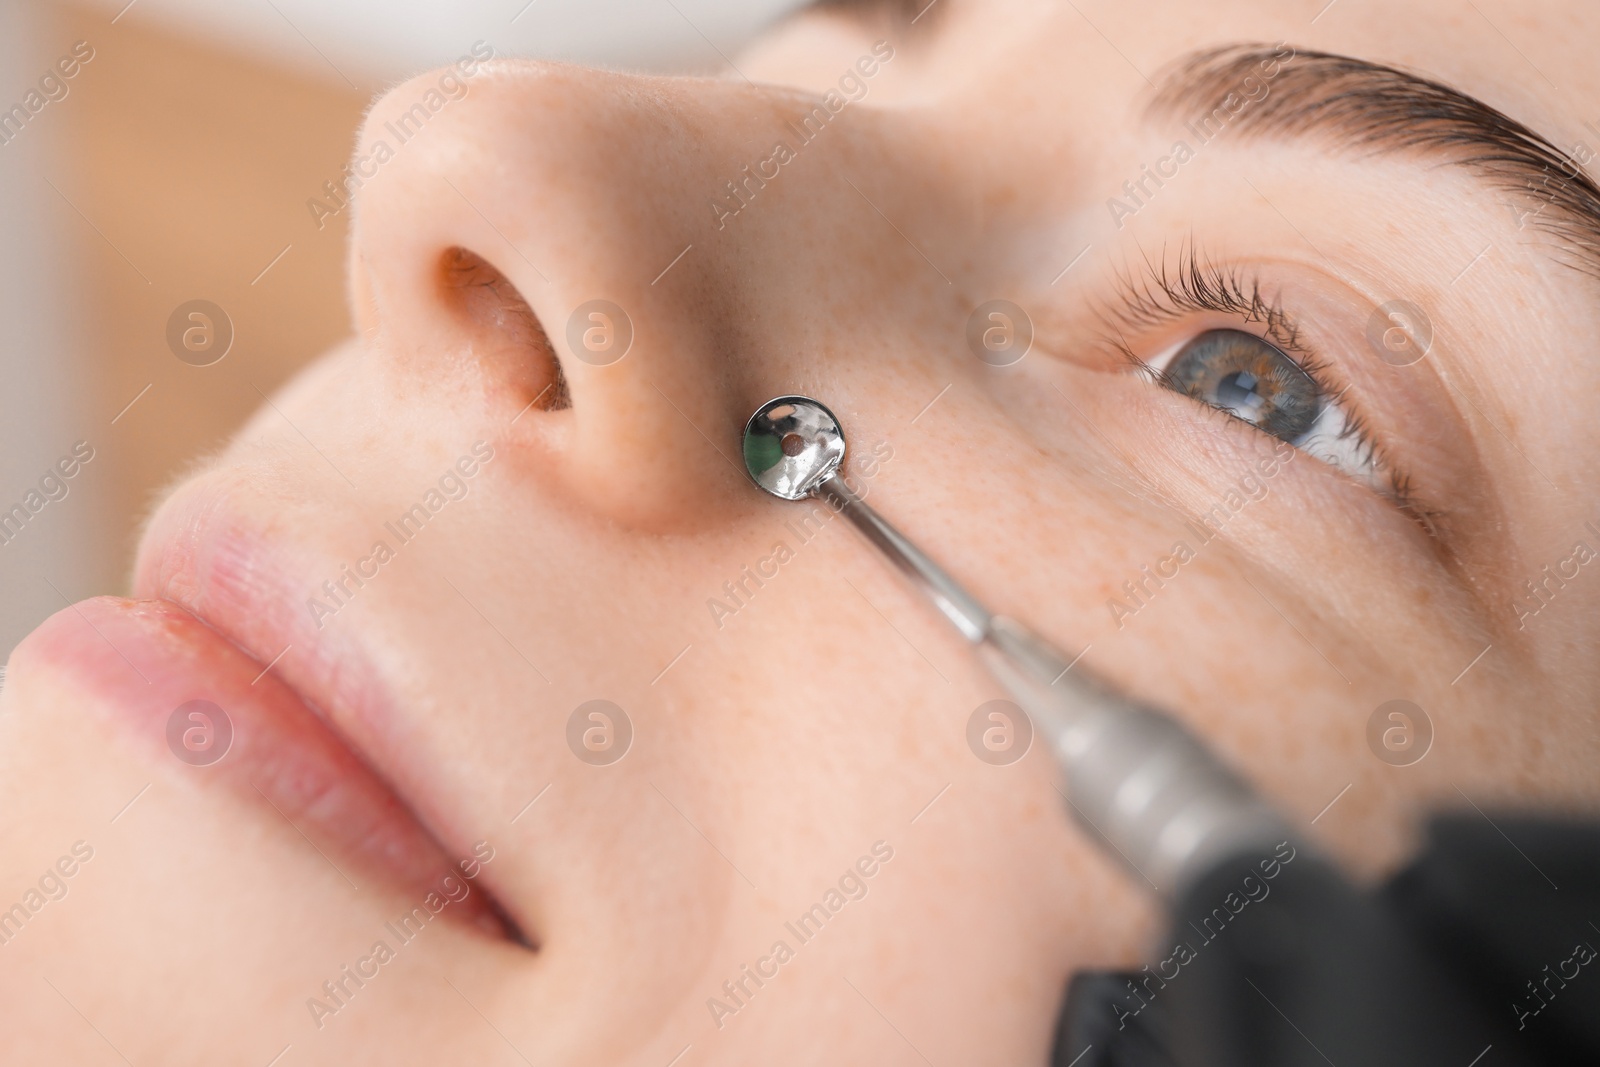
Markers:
{"x": 494, "y": 309}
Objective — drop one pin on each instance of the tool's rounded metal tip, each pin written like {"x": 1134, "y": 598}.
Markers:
{"x": 792, "y": 444}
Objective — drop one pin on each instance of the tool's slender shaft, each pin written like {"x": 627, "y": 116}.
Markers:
{"x": 959, "y": 606}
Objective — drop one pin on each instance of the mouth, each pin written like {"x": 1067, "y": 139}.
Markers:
{"x": 289, "y": 718}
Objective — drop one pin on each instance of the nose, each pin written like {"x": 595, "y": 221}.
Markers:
{"x": 529, "y": 238}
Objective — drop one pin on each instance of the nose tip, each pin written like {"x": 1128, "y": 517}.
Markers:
{"x": 512, "y": 239}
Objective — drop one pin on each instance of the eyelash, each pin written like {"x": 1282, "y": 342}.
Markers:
{"x": 1162, "y": 296}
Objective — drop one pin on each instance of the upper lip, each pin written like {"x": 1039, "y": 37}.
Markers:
{"x": 203, "y": 552}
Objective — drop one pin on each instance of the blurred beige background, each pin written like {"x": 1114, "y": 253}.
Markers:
{"x": 173, "y": 169}
{"x": 177, "y": 167}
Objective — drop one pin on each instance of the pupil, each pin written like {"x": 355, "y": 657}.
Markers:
{"x": 1237, "y": 391}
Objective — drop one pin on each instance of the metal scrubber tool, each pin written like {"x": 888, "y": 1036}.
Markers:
{"x": 1136, "y": 778}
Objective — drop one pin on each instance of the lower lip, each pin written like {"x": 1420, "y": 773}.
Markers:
{"x": 144, "y": 665}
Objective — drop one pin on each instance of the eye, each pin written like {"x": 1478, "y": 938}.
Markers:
{"x": 1256, "y": 382}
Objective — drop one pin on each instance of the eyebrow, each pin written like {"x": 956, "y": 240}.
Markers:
{"x": 1364, "y": 105}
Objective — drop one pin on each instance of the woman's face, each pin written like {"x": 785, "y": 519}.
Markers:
{"x": 519, "y": 490}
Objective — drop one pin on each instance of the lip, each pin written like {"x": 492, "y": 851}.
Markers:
{"x": 201, "y": 552}
{"x": 238, "y": 581}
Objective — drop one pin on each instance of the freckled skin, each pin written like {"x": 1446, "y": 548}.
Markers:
{"x": 826, "y": 708}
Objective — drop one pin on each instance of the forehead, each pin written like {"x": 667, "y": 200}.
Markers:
{"x": 1532, "y": 61}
